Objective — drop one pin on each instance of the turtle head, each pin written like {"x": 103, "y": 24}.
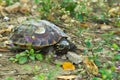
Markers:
{"x": 64, "y": 46}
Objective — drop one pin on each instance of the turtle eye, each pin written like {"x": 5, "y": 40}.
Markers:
{"x": 61, "y": 47}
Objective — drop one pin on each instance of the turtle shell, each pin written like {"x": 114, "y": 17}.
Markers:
{"x": 37, "y": 34}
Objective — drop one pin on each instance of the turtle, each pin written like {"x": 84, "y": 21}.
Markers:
{"x": 40, "y": 35}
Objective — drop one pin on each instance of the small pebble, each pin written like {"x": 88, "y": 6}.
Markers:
{"x": 79, "y": 77}
{"x": 0, "y": 55}
{"x": 6, "y": 18}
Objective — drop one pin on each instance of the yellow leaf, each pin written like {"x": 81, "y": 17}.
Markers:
{"x": 90, "y": 65}
{"x": 68, "y": 66}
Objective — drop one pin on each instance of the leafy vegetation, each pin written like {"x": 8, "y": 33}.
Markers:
{"x": 9, "y": 78}
{"x": 27, "y": 55}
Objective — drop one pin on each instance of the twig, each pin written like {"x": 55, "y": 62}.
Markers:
{"x": 4, "y": 50}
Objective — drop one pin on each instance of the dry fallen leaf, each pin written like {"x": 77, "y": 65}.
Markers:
{"x": 51, "y": 17}
{"x": 64, "y": 17}
{"x": 68, "y": 66}
{"x": 1, "y": 10}
{"x": 67, "y": 77}
{"x": 3, "y": 3}
{"x": 90, "y": 65}
{"x": 114, "y": 11}
{"x": 13, "y": 8}
{"x": 105, "y": 27}
{"x": 25, "y": 8}
{"x": 4, "y": 50}
{"x": 85, "y": 25}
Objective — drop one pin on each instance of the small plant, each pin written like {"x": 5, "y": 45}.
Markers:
{"x": 45, "y": 7}
{"x": 26, "y": 55}
{"x": 117, "y": 23}
{"x": 10, "y": 2}
{"x": 79, "y": 32}
{"x": 49, "y": 75}
{"x": 8, "y": 78}
{"x": 36, "y": 1}
{"x": 116, "y": 57}
{"x": 81, "y": 11}
{"x": 41, "y": 76}
{"x": 27, "y": 67}
{"x": 107, "y": 74}
{"x": 96, "y": 78}
{"x": 88, "y": 43}
{"x": 115, "y": 46}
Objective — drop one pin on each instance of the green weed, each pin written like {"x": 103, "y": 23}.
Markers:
{"x": 41, "y": 76}
{"x": 9, "y": 78}
{"x": 10, "y": 2}
{"x": 117, "y": 23}
{"x": 49, "y": 75}
{"x": 26, "y": 55}
{"x": 80, "y": 31}
{"x": 107, "y": 71}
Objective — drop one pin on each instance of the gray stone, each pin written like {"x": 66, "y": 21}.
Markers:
{"x": 6, "y": 18}
{"x": 74, "y": 58}
{"x": 79, "y": 77}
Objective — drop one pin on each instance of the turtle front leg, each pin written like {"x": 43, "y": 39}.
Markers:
{"x": 49, "y": 53}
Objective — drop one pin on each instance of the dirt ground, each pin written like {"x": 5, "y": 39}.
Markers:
{"x": 90, "y": 32}
{"x": 9, "y": 69}
{"x": 26, "y": 71}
